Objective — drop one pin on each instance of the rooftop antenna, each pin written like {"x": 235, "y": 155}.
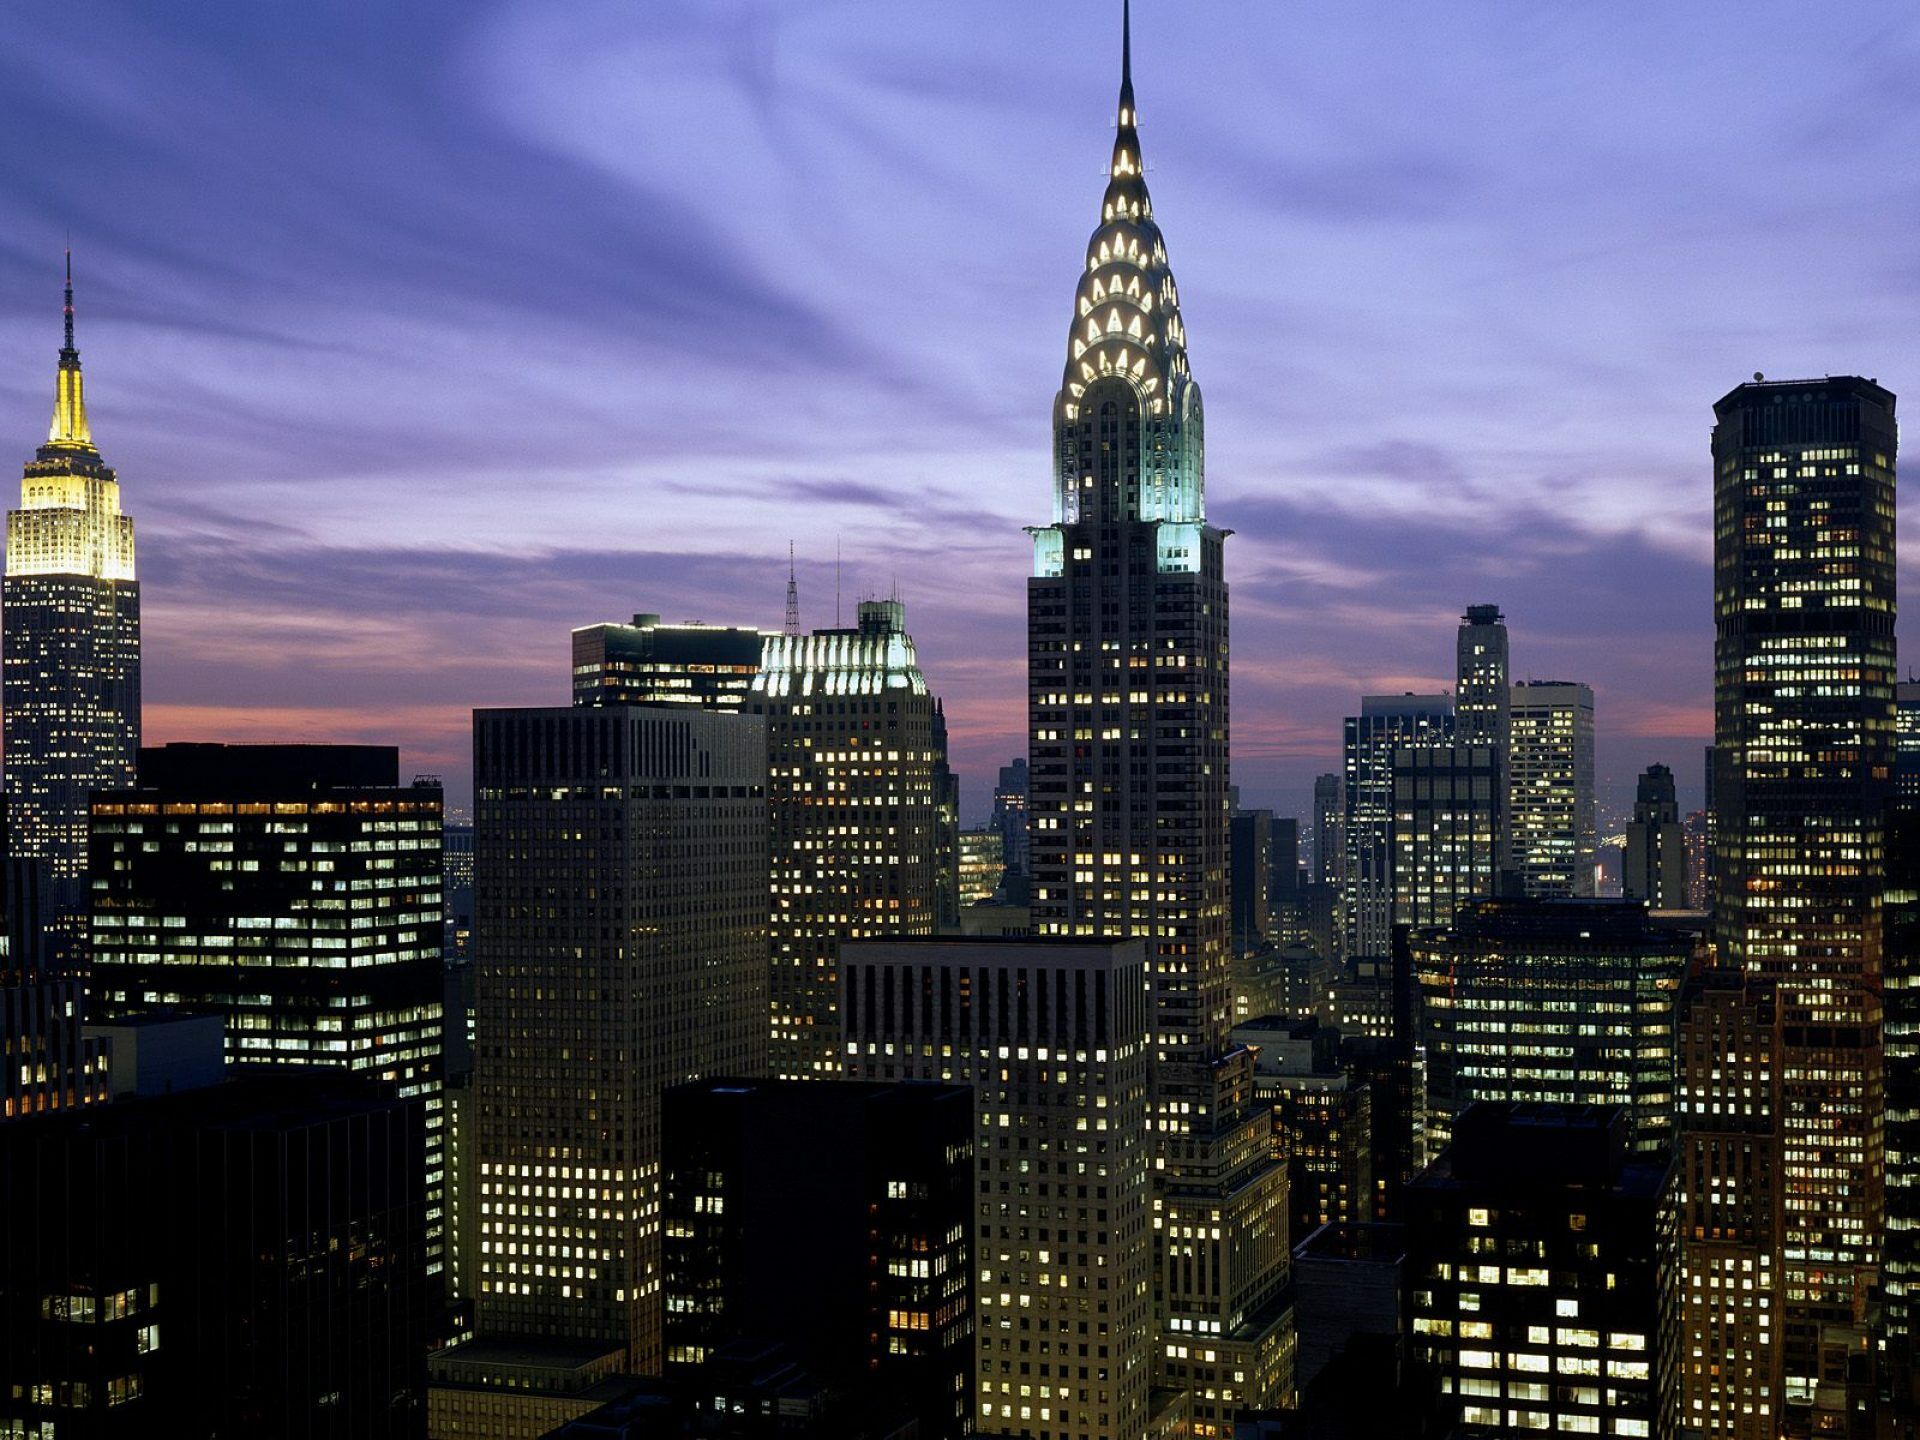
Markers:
{"x": 836, "y": 582}
{"x": 793, "y": 595}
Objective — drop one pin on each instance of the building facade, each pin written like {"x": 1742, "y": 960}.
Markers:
{"x": 853, "y": 815}
{"x": 1054, "y": 1036}
{"x": 70, "y": 678}
{"x": 294, "y": 890}
{"x": 1550, "y": 788}
{"x": 1804, "y": 748}
{"x": 1562, "y": 1001}
{"x": 620, "y": 894}
{"x": 835, "y": 1219}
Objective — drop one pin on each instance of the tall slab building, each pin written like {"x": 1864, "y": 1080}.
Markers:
{"x": 620, "y": 893}
{"x": 1804, "y": 744}
{"x": 70, "y": 696}
{"x": 1387, "y": 725}
{"x": 1127, "y": 676}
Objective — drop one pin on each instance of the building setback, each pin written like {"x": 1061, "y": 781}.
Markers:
{"x": 294, "y": 890}
{"x": 1054, "y": 1038}
{"x": 834, "y": 1219}
{"x": 1803, "y": 729}
{"x": 70, "y": 679}
{"x": 620, "y": 892}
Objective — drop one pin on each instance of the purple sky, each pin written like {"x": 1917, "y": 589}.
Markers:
{"x": 421, "y": 334}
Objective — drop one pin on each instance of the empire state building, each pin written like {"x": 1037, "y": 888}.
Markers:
{"x": 70, "y": 679}
{"x": 1127, "y": 697}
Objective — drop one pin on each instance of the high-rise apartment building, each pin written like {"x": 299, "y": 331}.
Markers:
{"x": 620, "y": 894}
{"x": 852, "y": 815}
{"x": 1054, "y": 1036}
{"x": 646, "y": 662}
{"x": 70, "y": 679}
{"x": 1721, "y": 1296}
{"x": 1564, "y": 1001}
{"x": 1906, "y": 742}
{"x": 1655, "y": 872}
{"x": 1531, "y": 1261}
{"x": 1804, "y": 747}
{"x": 1447, "y": 801}
{"x": 833, "y": 1218}
{"x": 294, "y": 890}
{"x": 1127, "y": 677}
{"x": 1550, "y": 788}
{"x": 1386, "y": 724}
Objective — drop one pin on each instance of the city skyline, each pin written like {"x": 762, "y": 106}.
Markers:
{"x": 329, "y": 425}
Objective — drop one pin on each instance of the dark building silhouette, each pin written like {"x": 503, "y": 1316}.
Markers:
{"x": 834, "y": 1218}
{"x": 247, "y": 1259}
{"x": 1655, "y": 871}
{"x": 1531, "y": 1261}
{"x": 294, "y": 890}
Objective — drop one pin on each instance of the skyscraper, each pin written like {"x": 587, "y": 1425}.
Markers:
{"x": 834, "y": 1218}
{"x": 1481, "y": 691}
{"x": 1803, "y": 728}
{"x": 1127, "y": 676}
{"x": 1531, "y": 1261}
{"x": 46, "y": 1061}
{"x": 1329, "y": 830}
{"x": 1386, "y": 724}
{"x": 1446, "y": 829}
{"x": 1656, "y": 862}
{"x": 852, "y": 768}
{"x": 1483, "y": 697}
{"x": 1010, "y": 814}
{"x": 1053, "y": 1037}
{"x": 1720, "y": 1302}
{"x": 294, "y": 890}
{"x": 1550, "y": 788}
{"x": 646, "y": 662}
{"x": 1566, "y": 1001}
{"x": 71, "y": 694}
{"x": 620, "y": 894}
